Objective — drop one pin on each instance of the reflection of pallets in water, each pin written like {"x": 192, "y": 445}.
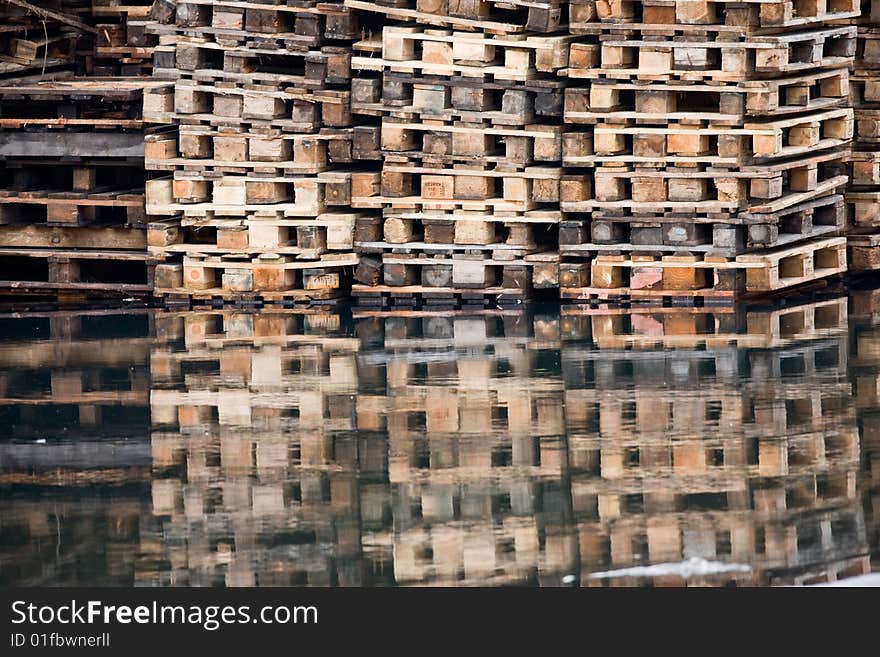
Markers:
{"x": 590, "y": 16}
{"x": 410, "y": 296}
{"x": 651, "y": 328}
{"x": 641, "y": 54}
{"x": 613, "y": 101}
{"x": 686, "y": 278}
{"x": 717, "y": 234}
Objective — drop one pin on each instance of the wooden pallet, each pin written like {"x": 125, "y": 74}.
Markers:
{"x": 305, "y": 237}
{"x": 41, "y": 271}
{"x": 466, "y": 54}
{"x": 307, "y": 24}
{"x": 267, "y": 275}
{"x": 730, "y": 104}
{"x": 460, "y": 270}
{"x": 720, "y": 145}
{"x": 457, "y": 98}
{"x": 641, "y": 54}
{"x": 824, "y": 216}
{"x": 467, "y": 141}
{"x": 403, "y": 177}
{"x": 259, "y": 150}
{"x": 588, "y": 16}
{"x": 651, "y": 189}
{"x": 216, "y": 195}
{"x": 199, "y": 99}
{"x": 710, "y": 278}
{"x": 497, "y": 16}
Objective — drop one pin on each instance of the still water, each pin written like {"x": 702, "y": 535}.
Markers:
{"x": 544, "y": 446}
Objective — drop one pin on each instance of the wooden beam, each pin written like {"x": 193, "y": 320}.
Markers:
{"x": 54, "y": 15}
{"x": 71, "y": 144}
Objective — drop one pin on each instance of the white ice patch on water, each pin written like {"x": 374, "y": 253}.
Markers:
{"x": 693, "y": 567}
{"x": 871, "y": 580}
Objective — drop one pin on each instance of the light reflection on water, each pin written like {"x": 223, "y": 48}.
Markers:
{"x": 538, "y": 446}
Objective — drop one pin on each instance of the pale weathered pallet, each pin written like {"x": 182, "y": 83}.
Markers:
{"x": 268, "y": 274}
{"x": 214, "y": 195}
{"x": 730, "y": 104}
{"x": 642, "y": 54}
{"x": 709, "y": 277}
{"x": 304, "y": 237}
{"x": 588, "y": 16}
{"x": 262, "y": 151}
{"x": 719, "y": 145}
{"x": 466, "y": 54}
{"x": 760, "y": 189}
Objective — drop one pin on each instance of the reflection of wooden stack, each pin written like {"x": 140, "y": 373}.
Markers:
{"x": 258, "y": 413}
{"x": 73, "y": 472}
{"x": 762, "y": 439}
{"x": 864, "y": 363}
{"x": 716, "y": 136}
{"x": 252, "y": 174}
{"x": 477, "y": 456}
{"x": 471, "y": 148}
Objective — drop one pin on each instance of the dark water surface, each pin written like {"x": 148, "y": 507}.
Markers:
{"x": 537, "y": 446}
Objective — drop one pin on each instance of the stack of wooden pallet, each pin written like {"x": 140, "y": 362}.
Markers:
{"x": 863, "y": 195}
{"x": 42, "y": 37}
{"x": 471, "y": 139}
{"x": 72, "y": 216}
{"x": 716, "y": 135}
{"x": 261, "y": 205}
{"x": 122, "y": 44}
